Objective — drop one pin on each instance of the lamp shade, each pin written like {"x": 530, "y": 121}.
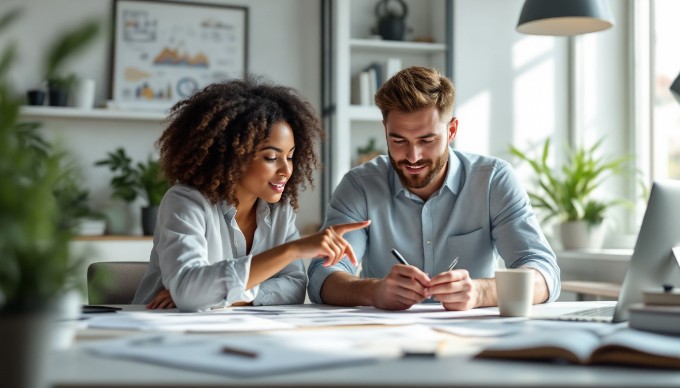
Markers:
{"x": 675, "y": 88}
{"x": 564, "y": 17}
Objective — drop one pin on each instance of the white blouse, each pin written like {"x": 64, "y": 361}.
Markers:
{"x": 199, "y": 254}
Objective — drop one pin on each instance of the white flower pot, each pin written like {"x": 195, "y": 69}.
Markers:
{"x": 581, "y": 235}
{"x": 90, "y": 227}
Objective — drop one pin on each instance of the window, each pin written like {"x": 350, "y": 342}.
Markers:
{"x": 665, "y": 109}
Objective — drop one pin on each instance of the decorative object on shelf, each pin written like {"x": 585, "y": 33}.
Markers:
{"x": 391, "y": 19}
{"x": 568, "y": 193}
{"x": 63, "y": 48}
{"x": 564, "y": 17}
{"x": 36, "y": 268}
{"x": 35, "y": 97}
{"x": 165, "y": 51}
{"x": 83, "y": 93}
{"x": 131, "y": 181}
{"x": 368, "y": 152}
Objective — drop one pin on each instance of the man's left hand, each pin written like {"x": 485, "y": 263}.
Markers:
{"x": 455, "y": 290}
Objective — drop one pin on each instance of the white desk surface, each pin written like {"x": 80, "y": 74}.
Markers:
{"x": 76, "y": 368}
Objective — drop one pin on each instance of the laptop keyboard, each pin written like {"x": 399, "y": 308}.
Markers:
{"x": 601, "y": 314}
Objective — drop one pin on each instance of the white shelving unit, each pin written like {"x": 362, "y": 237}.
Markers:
{"x": 98, "y": 113}
{"x": 353, "y": 49}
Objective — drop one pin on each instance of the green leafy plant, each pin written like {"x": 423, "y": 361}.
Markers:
{"x": 133, "y": 180}
{"x": 567, "y": 193}
{"x": 35, "y": 266}
{"x": 66, "y": 46}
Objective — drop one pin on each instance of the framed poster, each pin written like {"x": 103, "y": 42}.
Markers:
{"x": 164, "y": 51}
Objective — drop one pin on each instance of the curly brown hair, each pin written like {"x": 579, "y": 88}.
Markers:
{"x": 214, "y": 134}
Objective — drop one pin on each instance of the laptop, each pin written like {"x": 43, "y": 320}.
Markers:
{"x": 653, "y": 263}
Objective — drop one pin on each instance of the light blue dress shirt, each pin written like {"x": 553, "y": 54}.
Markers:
{"x": 481, "y": 212}
{"x": 199, "y": 254}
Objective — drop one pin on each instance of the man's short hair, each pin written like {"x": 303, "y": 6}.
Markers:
{"x": 415, "y": 88}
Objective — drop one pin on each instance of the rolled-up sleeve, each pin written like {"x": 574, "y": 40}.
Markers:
{"x": 347, "y": 205}
{"x": 516, "y": 231}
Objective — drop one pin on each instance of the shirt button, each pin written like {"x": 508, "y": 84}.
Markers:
{"x": 428, "y": 242}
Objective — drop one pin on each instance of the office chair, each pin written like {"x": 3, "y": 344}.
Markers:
{"x": 114, "y": 282}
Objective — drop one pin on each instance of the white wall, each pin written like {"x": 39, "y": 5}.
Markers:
{"x": 284, "y": 45}
{"x": 511, "y": 88}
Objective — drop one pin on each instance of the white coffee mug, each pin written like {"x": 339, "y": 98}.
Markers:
{"x": 515, "y": 291}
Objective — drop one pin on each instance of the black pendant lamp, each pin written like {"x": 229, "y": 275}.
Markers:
{"x": 564, "y": 17}
{"x": 675, "y": 88}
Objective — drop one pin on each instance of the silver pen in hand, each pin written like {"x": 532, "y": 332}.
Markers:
{"x": 453, "y": 264}
{"x": 399, "y": 257}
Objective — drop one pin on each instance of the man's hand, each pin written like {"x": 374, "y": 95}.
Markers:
{"x": 455, "y": 290}
{"x": 403, "y": 287}
{"x": 162, "y": 300}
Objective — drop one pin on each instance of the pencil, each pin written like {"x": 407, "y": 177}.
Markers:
{"x": 238, "y": 352}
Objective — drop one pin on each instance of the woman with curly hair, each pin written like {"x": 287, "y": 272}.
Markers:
{"x": 237, "y": 153}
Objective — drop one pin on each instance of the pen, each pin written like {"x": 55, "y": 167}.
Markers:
{"x": 399, "y": 257}
{"x": 453, "y": 264}
{"x": 238, "y": 352}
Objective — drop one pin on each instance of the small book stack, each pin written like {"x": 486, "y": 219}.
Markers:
{"x": 367, "y": 82}
{"x": 660, "y": 312}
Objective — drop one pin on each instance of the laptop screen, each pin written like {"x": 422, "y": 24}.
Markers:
{"x": 653, "y": 263}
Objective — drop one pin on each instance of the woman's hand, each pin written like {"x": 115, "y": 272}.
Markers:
{"x": 329, "y": 243}
{"x": 162, "y": 300}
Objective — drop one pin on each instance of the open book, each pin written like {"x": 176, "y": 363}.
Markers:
{"x": 623, "y": 346}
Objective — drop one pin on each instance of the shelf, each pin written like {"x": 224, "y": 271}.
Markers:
{"x": 606, "y": 255}
{"x": 110, "y": 237}
{"x": 98, "y": 113}
{"x": 364, "y": 113}
{"x": 395, "y": 46}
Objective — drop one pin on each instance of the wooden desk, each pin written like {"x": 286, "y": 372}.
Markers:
{"x": 76, "y": 368}
{"x": 597, "y": 289}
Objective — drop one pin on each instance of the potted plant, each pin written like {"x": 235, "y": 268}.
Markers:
{"x": 36, "y": 269}
{"x": 64, "y": 47}
{"x": 143, "y": 179}
{"x": 79, "y": 215}
{"x": 567, "y": 194}
{"x": 71, "y": 198}
{"x": 368, "y": 152}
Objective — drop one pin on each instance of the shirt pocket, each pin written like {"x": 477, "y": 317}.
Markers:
{"x": 471, "y": 249}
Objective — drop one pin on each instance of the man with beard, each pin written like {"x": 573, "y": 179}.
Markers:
{"x": 432, "y": 204}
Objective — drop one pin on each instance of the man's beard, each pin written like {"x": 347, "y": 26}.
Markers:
{"x": 411, "y": 181}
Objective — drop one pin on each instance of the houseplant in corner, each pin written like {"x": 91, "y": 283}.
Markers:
{"x": 143, "y": 179}
{"x": 36, "y": 269}
{"x": 567, "y": 194}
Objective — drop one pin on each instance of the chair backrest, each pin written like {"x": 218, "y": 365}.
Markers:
{"x": 114, "y": 282}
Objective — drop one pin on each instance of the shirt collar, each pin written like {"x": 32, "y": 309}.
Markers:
{"x": 262, "y": 210}
{"x": 451, "y": 181}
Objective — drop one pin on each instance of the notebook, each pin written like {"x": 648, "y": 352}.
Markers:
{"x": 653, "y": 262}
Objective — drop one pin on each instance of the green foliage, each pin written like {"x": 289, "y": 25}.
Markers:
{"x": 368, "y": 148}
{"x": 567, "y": 193}
{"x": 35, "y": 266}
{"x": 132, "y": 180}
{"x": 66, "y": 46}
